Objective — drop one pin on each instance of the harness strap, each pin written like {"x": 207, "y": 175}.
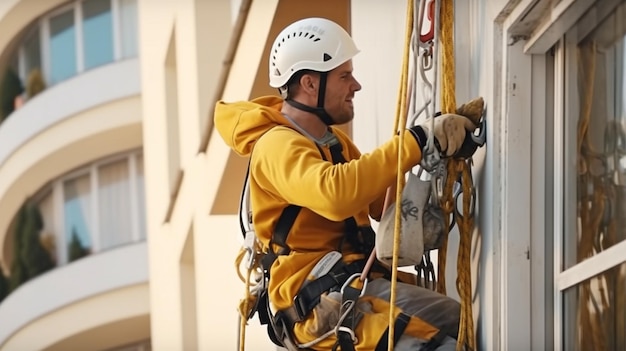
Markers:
{"x": 283, "y": 226}
{"x": 345, "y": 333}
{"x": 364, "y": 244}
{"x": 436, "y": 341}
{"x": 400, "y": 324}
{"x": 309, "y": 295}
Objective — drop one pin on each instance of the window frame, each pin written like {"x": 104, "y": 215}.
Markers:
{"x": 44, "y": 40}
{"x": 565, "y": 138}
{"x": 56, "y": 187}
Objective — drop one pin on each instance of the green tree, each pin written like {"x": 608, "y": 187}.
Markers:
{"x": 4, "y": 286}
{"x": 30, "y": 258}
{"x": 36, "y": 258}
{"x": 76, "y": 247}
{"x": 10, "y": 88}
{"x": 18, "y": 267}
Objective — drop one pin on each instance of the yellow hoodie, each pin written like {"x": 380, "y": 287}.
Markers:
{"x": 286, "y": 168}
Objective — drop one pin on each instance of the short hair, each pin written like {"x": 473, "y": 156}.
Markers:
{"x": 294, "y": 81}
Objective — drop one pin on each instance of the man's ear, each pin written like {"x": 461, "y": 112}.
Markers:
{"x": 309, "y": 83}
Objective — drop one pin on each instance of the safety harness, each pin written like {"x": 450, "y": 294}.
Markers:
{"x": 338, "y": 278}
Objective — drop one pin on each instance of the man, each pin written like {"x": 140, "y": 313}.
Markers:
{"x": 299, "y": 160}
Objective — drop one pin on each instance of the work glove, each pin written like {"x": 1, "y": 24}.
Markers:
{"x": 450, "y": 131}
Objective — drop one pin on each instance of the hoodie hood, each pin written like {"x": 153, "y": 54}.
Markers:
{"x": 242, "y": 123}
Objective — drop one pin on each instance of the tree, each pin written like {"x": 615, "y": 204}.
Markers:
{"x": 18, "y": 268}
{"x": 4, "y": 286}
{"x": 30, "y": 258}
{"x": 11, "y": 88}
{"x": 76, "y": 248}
{"x": 36, "y": 258}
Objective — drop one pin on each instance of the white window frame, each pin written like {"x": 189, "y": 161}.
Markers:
{"x": 91, "y": 170}
{"x": 44, "y": 38}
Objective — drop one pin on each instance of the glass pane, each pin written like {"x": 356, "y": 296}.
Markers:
{"x": 141, "y": 196}
{"x": 128, "y": 27}
{"x": 595, "y": 312}
{"x": 97, "y": 32}
{"x": 601, "y": 141}
{"x": 114, "y": 206}
{"x": 62, "y": 47}
{"x": 77, "y": 216}
{"x": 32, "y": 50}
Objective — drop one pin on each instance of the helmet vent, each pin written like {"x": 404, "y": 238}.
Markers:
{"x": 327, "y": 57}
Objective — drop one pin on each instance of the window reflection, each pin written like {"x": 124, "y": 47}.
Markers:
{"x": 601, "y": 140}
{"x": 594, "y": 312}
{"x": 62, "y": 47}
{"x": 32, "y": 52}
{"x": 77, "y": 213}
{"x": 97, "y": 33}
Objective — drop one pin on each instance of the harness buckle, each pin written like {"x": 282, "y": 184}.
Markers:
{"x": 299, "y": 308}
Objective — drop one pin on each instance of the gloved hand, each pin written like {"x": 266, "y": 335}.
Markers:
{"x": 450, "y": 131}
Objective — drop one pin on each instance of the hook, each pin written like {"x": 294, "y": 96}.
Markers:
{"x": 429, "y": 11}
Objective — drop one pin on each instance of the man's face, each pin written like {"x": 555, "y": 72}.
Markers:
{"x": 340, "y": 88}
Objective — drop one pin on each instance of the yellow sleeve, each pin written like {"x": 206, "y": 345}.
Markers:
{"x": 289, "y": 166}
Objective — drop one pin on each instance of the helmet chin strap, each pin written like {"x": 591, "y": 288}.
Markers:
{"x": 319, "y": 111}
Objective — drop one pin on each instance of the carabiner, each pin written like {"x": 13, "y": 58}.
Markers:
{"x": 457, "y": 213}
{"x": 350, "y": 280}
{"x": 429, "y": 10}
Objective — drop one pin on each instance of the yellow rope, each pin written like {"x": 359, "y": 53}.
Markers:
{"x": 243, "y": 311}
{"x": 456, "y": 168}
{"x": 399, "y": 125}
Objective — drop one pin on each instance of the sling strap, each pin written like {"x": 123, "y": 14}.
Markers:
{"x": 400, "y": 324}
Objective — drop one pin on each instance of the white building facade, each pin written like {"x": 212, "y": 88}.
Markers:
{"x": 109, "y": 136}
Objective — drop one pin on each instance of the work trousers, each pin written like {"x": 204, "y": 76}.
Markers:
{"x": 434, "y": 308}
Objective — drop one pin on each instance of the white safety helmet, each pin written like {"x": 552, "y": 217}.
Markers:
{"x": 316, "y": 44}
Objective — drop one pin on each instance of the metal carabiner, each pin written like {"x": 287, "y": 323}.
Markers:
{"x": 457, "y": 214}
{"x": 429, "y": 11}
{"x": 350, "y": 280}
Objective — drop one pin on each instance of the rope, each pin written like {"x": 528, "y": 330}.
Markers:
{"x": 456, "y": 169}
{"x": 243, "y": 312}
{"x": 251, "y": 292}
{"x": 400, "y": 120}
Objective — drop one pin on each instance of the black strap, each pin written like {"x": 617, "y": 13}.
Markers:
{"x": 365, "y": 243}
{"x": 399, "y": 326}
{"x": 283, "y": 226}
{"x": 344, "y": 338}
{"x": 309, "y": 296}
{"x": 436, "y": 341}
{"x": 241, "y": 201}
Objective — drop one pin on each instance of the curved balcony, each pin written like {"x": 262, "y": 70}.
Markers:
{"x": 75, "y": 303}
{"x": 89, "y": 116}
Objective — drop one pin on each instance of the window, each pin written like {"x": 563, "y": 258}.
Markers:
{"x": 128, "y": 28}
{"x": 114, "y": 204}
{"x": 77, "y": 215}
{"x": 62, "y": 47}
{"x": 98, "y": 207}
{"x": 97, "y": 33}
{"x": 82, "y": 35}
{"x": 32, "y": 53}
{"x": 591, "y": 279}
